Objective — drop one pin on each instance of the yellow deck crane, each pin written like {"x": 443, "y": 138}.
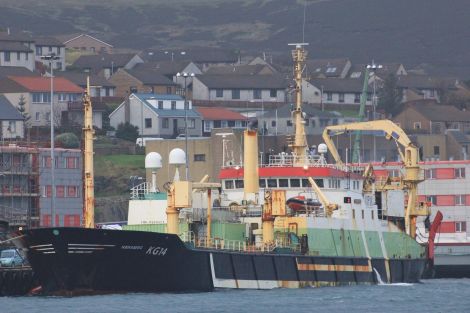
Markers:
{"x": 409, "y": 156}
{"x": 88, "y": 132}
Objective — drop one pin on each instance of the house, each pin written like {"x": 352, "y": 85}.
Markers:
{"x": 129, "y": 81}
{"x": 328, "y": 68}
{"x": 37, "y": 96}
{"x": 16, "y": 54}
{"x": 85, "y": 42}
{"x": 11, "y": 120}
{"x": 239, "y": 91}
{"x": 158, "y": 115}
{"x": 426, "y": 116}
{"x": 257, "y": 69}
{"x": 441, "y": 131}
{"x": 106, "y": 64}
{"x": 48, "y": 46}
{"x": 334, "y": 92}
{"x": 6, "y": 71}
{"x": 220, "y": 118}
{"x": 74, "y": 116}
{"x": 416, "y": 87}
{"x": 99, "y": 86}
{"x": 279, "y": 121}
{"x": 170, "y": 69}
{"x": 357, "y": 71}
{"x": 204, "y": 57}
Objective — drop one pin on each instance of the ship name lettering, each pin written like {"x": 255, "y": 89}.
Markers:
{"x": 156, "y": 251}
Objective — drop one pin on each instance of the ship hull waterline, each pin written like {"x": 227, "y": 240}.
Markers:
{"x": 72, "y": 261}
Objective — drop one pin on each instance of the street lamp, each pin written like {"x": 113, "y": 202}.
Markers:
{"x": 51, "y": 58}
{"x": 373, "y": 68}
{"x": 185, "y": 77}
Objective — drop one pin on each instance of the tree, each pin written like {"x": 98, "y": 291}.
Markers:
{"x": 22, "y": 110}
{"x": 390, "y": 96}
{"x": 127, "y": 131}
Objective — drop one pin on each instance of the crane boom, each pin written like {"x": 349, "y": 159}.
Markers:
{"x": 361, "y": 115}
{"x": 410, "y": 158}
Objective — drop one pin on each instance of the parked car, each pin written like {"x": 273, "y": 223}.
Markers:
{"x": 10, "y": 257}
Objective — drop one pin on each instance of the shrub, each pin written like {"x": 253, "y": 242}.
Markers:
{"x": 68, "y": 140}
{"x": 127, "y": 131}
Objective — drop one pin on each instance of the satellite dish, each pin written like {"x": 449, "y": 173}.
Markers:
{"x": 177, "y": 157}
{"x": 322, "y": 148}
{"x": 153, "y": 160}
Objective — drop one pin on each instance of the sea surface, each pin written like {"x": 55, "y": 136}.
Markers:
{"x": 439, "y": 295}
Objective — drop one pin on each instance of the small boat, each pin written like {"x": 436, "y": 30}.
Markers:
{"x": 303, "y": 204}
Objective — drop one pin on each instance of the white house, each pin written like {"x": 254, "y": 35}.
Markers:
{"x": 158, "y": 115}
{"x": 11, "y": 121}
{"x": 47, "y": 46}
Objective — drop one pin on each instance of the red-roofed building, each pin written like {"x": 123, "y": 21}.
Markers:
{"x": 214, "y": 117}
{"x": 36, "y": 92}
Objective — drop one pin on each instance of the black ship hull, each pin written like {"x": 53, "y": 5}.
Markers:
{"x": 73, "y": 261}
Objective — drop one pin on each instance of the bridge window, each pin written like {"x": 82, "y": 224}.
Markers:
{"x": 229, "y": 184}
{"x": 272, "y": 183}
{"x": 262, "y": 183}
{"x": 294, "y": 182}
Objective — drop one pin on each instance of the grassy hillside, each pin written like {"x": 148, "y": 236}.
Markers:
{"x": 112, "y": 173}
{"x": 419, "y": 32}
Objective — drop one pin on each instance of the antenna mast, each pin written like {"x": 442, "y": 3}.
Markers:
{"x": 299, "y": 146}
{"x": 88, "y": 132}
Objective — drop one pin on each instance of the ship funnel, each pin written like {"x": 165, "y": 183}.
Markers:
{"x": 251, "y": 175}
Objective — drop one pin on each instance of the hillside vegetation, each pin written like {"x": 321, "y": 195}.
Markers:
{"x": 416, "y": 33}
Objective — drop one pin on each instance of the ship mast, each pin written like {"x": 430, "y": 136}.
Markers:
{"x": 88, "y": 132}
{"x": 299, "y": 145}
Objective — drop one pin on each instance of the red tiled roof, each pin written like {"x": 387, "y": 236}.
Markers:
{"x": 219, "y": 114}
{"x": 43, "y": 84}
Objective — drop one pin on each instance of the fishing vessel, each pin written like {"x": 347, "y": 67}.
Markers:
{"x": 360, "y": 230}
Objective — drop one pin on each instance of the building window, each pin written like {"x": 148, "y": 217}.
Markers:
{"x": 199, "y": 158}
{"x": 459, "y": 172}
{"x": 173, "y": 105}
{"x": 460, "y": 227}
{"x": 341, "y": 97}
{"x": 48, "y": 116}
{"x": 160, "y": 104}
{"x": 273, "y": 123}
{"x": 26, "y": 56}
{"x": 432, "y": 199}
{"x": 257, "y": 94}
{"x": 460, "y": 200}
{"x": 289, "y": 123}
{"x": 165, "y": 123}
{"x": 431, "y": 93}
{"x": 168, "y": 90}
{"x": 18, "y": 56}
{"x": 72, "y": 191}
{"x": 273, "y": 93}
{"x": 58, "y": 50}
{"x": 148, "y": 123}
{"x": 208, "y": 126}
{"x": 38, "y": 50}
{"x": 72, "y": 162}
{"x": 191, "y": 123}
{"x": 38, "y": 116}
{"x": 272, "y": 183}
{"x": 219, "y": 93}
{"x": 369, "y": 97}
{"x": 62, "y": 97}
{"x": 436, "y": 150}
{"x": 7, "y": 56}
{"x": 430, "y": 173}
{"x": 357, "y": 97}
{"x": 283, "y": 182}
{"x": 329, "y": 96}
{"x": 235, "y": 93}
{"x": 417, "y": 125}
{"x": 60, "y": 191}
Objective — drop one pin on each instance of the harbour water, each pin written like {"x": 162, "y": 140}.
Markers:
{"x": 439, "y": 295}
